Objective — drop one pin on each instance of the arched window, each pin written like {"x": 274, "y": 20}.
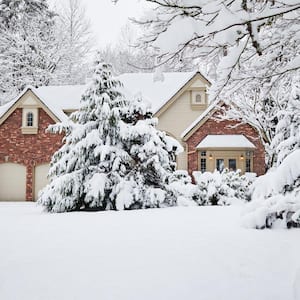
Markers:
{"x": 198, "y": 98}
{"x": 29, "y": 119}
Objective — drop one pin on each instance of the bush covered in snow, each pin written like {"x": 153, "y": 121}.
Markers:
{"x": 113, "y": 157}
{"x": 276, "y": 197}
{"x": 181, "y": 187}
{"x": 223, "y": 188}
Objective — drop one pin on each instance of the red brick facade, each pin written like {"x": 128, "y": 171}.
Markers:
{"x": 212, "y": 126}
{"x": 29, "y": 150}
{"x": 32, "y": 150}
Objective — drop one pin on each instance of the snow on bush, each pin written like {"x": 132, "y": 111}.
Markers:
{"x": 113, "y": 157}
{"x": 225, "y": 188}
{"x": 180, "y": 185}
{"x": 276, "y": 197}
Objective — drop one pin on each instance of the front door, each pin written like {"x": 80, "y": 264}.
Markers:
{"x": 220, "y": 165}
{"x": 232, "y": 164}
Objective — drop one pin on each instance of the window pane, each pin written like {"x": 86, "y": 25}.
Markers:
{"x": 203, "y": 165}
{"x": 203, "y": 153}
{"x": 198, "y": 98}
{"x": 220, "y": 165}
{"x": 29, "y": 119}
{"x": 248, "y": 165}
{"x": 232, "y": 164}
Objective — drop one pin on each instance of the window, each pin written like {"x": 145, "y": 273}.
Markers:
{"x": 232, "y": 164}
{"x": 29, "y": 119}
{"x": 248, "y": 165}
{"x": 203, "y": 153}
{"x": 203, "y": 165}
{"x": 220, "y": 164}
{"x": 198, "y": 98}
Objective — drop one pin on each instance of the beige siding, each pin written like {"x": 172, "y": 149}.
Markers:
{"x": 12, "y": 182}
{"x": 176, "y": 119}
{"x": 40, "y": 178}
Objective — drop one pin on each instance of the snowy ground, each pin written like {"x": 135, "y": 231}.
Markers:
{"x": 198, "y": 253}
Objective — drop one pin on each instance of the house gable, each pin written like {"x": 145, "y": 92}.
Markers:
{"x": 24, "y": 139}
{"x": 178, "y": 113}
{"x": 229, "y": 149}
{"x": 27, "y": 99}
{"x": 197, "y": 82}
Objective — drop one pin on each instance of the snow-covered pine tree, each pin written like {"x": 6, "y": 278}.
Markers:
{"x": 153, "y": 155}
{"x": 82, "y": 171}
{"x": 113, "y": 157}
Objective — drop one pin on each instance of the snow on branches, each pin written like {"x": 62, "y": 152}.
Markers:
{"x": 276, "y": 197}
{"x": 253, "y": 47}
{"x": 113, "y": 157}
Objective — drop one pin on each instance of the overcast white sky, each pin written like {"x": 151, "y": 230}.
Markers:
{"x": 107, "y": 18}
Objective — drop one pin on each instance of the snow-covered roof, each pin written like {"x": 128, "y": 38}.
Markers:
{"x": 4, "y": 108}
{"x": 61, "y": 98}
{"x": 158, "y": 93}
{"x": 67, "y": 97}
{"x": 225, "y": 141}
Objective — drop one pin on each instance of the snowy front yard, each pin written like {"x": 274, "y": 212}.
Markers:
{"x": 159, "y": 254}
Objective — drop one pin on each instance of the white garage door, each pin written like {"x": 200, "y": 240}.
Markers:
{"x": 12, "y": 182}
{"x": 40, "y": 178}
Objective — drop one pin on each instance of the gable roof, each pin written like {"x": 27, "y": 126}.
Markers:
{"x": 67, "y": 97}
{"x": 7, "y": 106}
{"x": 63, "y": 97}
{"x": 51, "y": 109}
{"x": 158, "y": 93}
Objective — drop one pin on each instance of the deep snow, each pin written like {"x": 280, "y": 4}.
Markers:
{"x": 158, "y": 254}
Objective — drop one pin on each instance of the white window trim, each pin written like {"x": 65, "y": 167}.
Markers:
{"x": 29, "y": 129}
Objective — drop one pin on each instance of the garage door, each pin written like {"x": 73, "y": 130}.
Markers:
{"x": 40, "y": 178}
{"x": 12, "y": 182}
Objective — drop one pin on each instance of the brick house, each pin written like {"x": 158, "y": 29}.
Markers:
{"x": 214, "y": 144}
{"x": 179, "y": 102}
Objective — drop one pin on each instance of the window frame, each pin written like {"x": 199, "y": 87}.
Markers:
{"x": 231, "y": 160}
{"x": 29, "y": 119}
{"x": 248, "y": 168}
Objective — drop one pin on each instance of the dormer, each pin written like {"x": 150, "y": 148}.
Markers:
{"x": 198, "y": 95}
{"x": 30, "y": 115}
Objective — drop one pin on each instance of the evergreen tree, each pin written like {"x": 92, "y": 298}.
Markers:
{"x": 113, "y": 157}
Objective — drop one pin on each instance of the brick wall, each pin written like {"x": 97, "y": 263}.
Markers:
{"x": 29, "y": 150}
{"x": 224, "y": 127}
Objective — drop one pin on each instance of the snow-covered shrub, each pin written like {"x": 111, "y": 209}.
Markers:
{"x": 113, "y": 157}
{"x": 276, "y": 197}
{"x": 223, "y": 188}
{"x": 180, "y": 186}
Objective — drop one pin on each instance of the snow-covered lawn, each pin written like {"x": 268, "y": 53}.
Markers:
{"x": 199, "y": 253}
